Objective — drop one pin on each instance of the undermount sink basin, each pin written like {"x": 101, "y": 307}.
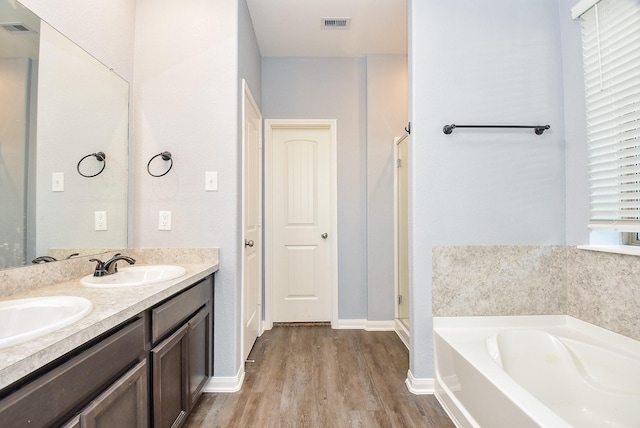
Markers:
{"x": 26, "y": 319}
{"x": 134, "y": 276}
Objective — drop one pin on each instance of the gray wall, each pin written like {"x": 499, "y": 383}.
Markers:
{"x": 249, "y": 58}
{"x": 387, "y": 95}
{"x": 368, "y": 97}
{"x": 577, "y": 184}
{"x": 332, "y": 88}
{"x": 186, "y": 101}
{"x": 481, "y": 62}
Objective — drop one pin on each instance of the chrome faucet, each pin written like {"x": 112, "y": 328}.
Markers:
{"x": 110, "y": 266}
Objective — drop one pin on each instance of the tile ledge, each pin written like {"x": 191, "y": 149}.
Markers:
{"x": 616, "y": 249}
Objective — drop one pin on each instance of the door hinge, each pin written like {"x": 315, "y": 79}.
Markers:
{"x": 399, "y": 299}
{"x": 398, "y": 163}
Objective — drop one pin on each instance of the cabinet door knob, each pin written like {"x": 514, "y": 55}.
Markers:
{"x": 248, "y": 243}
{"x": 325, "y": 235}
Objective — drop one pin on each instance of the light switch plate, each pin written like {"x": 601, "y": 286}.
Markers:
{"x": 57, "y": 181}
{"x": 211, "y": 181}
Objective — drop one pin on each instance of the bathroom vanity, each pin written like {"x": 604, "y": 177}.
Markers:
{"x": 141, "y": 358}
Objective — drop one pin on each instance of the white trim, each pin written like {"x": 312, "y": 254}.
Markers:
{"x": 396, "y": 283}
{"x": 419, "y": 386}
{"x": 389, "y": 325}
{"x": 631, "y": 250}
{"x": 226, "y": 384}
{"x": 332, "y": 125}
{"x": 581, "y": 7}
{"x": 351, "y": 324}
{"x": 363, "y": 324}
{"x": 403, "y": 333}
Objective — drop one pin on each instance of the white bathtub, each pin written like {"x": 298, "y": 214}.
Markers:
{"x": 536, "y": 371}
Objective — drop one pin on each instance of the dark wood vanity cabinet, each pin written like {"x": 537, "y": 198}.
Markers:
{"x": 148, "y": 372}
{"x": 181, "y": 355}
{"x": 54, "y": 397}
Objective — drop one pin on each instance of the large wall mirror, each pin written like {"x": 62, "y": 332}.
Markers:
{"x": 59, "y": 105}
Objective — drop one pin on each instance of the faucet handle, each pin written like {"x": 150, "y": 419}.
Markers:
{"x": 100, "y": 270}
{"x": 43, "y": 259}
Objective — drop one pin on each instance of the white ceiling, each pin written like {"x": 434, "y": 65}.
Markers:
{"x": 293, "y": 27}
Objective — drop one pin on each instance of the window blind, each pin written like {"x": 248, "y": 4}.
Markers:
{"x": 611, "y": 51}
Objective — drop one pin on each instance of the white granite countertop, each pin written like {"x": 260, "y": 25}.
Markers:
{"x": 110, "y": 308}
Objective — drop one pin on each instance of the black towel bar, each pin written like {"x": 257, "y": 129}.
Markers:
{"x": 539, "y": 129}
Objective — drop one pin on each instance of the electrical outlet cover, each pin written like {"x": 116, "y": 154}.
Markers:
{"x": 100, "y": 218}
{"x": 164, "y": 220}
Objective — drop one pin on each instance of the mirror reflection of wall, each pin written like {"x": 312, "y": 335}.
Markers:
{"x": 19, "y": 44}
{"x": 89, "y": 115}
{"x": 14, "y": 85}
{"x": 64, "y": 104}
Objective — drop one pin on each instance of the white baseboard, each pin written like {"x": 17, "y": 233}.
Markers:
{"x": 363, "y": 324}
{"x": 402, "y": 332}
{"x": 226, "y": 384}
{"x": 419, "y": 386}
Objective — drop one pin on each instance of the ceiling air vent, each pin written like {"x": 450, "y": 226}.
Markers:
{"x": 16, "y": 27}
{"x": 336, "y": 23}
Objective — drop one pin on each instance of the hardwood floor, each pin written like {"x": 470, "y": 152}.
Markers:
{"x": 313, "y": 376}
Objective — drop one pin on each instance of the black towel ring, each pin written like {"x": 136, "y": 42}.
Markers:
{"x": 166, "y": 156}
{"x": 100, "y": 156}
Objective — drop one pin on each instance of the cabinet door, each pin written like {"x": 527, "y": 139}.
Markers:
{"x": 199, "y": 356}
{"x": 123, "y": 404}
{"x": 171, "y": 380}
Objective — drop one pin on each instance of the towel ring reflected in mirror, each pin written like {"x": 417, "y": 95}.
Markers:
{"x": 166, "y": 156}
{"x": 100, "y": 156}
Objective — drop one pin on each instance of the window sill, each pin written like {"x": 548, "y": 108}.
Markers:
{"x": 631, "y": 250}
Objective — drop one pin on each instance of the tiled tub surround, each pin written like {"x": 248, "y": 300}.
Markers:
{"x": 600, "y": 288}
{"x": 470, "y": 281}
{"x": 110, "y": 306}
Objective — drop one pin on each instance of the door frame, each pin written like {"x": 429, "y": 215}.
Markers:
{"x": 246, "y": 95}
{"x": 269, "y": 126}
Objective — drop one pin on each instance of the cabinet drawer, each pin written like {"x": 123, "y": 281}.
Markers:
{"x": 55, "y": 395}
{"x": 175, "y": 311}
{"x": 123, "y": 404}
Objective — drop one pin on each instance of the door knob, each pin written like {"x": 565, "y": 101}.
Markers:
{"x": 248, "y": 243}
{"x": 324, "y": 235}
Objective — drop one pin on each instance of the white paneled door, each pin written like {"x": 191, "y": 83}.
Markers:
{"x": 252, "y": 224}
{"x": 301, "y": 210}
